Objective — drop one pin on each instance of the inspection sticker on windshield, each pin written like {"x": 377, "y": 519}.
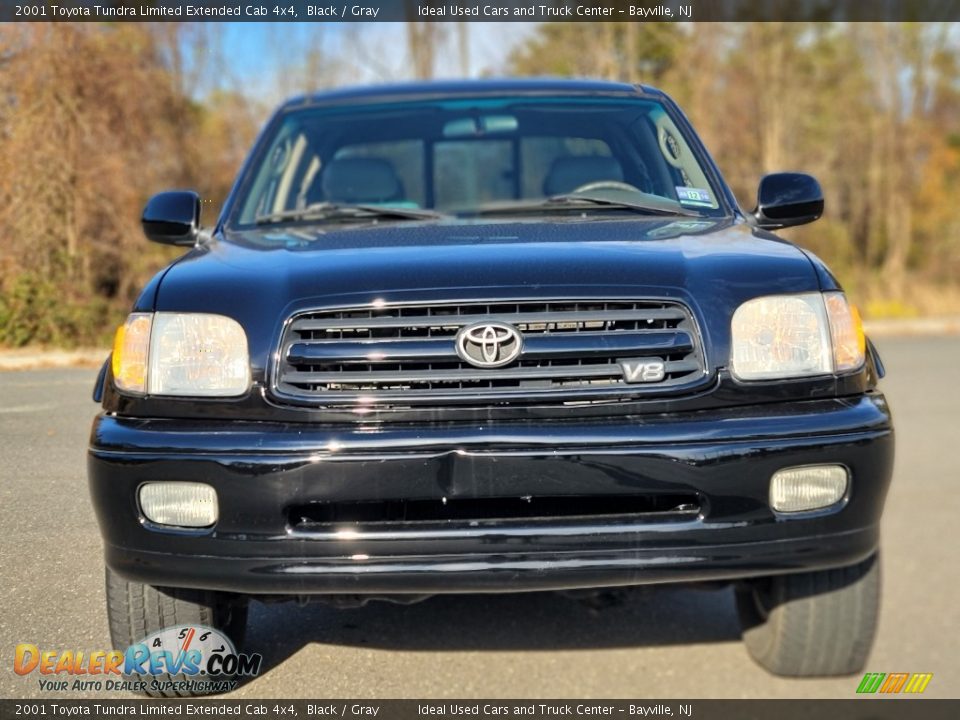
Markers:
{"x": 694, "y": 196}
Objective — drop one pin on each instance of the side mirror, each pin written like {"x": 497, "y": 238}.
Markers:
{"x": 172, "y": 218}
{"x": 787, "y": 199}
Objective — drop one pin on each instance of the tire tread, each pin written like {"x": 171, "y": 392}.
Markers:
{"x": 817, "y": 624}
{"x": 135, "y": 610}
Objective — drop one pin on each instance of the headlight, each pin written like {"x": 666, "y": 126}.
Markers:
{"x": 191, "y": 354}
{"x": 783, "y": 336}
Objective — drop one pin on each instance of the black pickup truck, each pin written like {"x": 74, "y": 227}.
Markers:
{"x": 493, "y": 336}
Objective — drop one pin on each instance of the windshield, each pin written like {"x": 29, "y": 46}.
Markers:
{"x": 481, "y": 156}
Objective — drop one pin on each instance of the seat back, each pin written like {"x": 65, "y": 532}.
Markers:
{"x": 357, "y": 180}
{"x": 569, "y": 172}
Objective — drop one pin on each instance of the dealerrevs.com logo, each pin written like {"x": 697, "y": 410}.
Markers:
{"x": 191, "y": 658}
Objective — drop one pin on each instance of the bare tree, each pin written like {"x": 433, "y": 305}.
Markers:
{"x": 423, "y": 38}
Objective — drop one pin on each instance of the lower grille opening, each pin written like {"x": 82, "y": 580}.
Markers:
{"x": 322, "y": 515}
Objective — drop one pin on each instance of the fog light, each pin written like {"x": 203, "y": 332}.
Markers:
{"x": 181, "y": 504}
{"x": 810, "y": 487}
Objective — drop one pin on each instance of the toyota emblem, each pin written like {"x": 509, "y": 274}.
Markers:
{"x": 489, "y": 344}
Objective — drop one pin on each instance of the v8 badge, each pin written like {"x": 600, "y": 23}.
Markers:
{"x": 643, "y": 371}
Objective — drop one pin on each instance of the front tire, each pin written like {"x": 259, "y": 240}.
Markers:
{"x": 815, "y": 623}
{"x": 136, "y": 610}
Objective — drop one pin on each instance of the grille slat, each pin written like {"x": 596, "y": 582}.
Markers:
{"x": 406, "y": 354}
{"x": 458, "y": 375}
{"x": 457, "y": 321}
{"x": 370, "y": 351}
{"x": 535, "y": 346}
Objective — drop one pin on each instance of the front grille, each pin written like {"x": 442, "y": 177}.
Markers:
{"x": 325, "y": 516}
{"x": 407, "y": 354}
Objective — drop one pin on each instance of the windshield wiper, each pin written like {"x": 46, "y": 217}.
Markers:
{"x": 645, "y": 203}
{"x": 335, "y": 211}
{"x": 638, "y": 202}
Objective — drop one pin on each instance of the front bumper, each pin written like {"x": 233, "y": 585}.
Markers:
{"x": 260, "y": 470}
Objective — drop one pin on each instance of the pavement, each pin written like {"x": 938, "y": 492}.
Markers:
{"x": 667, "y": 642}
{"x": 34, "y": 359}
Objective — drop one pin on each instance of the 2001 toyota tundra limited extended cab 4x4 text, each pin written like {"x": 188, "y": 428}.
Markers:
{"x": 493, "y": 337}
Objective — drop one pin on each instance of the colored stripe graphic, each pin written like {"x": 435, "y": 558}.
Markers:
{"x": 871, "y": 682}
{"x": 894, "y": 683}
{"x": 918, "y": 682}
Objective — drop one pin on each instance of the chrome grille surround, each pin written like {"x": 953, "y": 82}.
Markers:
{"x": 404, "y": 354}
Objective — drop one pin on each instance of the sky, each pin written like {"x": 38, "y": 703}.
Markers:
{"x": 262, "y": 55}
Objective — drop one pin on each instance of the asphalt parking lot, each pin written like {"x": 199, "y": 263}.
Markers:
{"x": 669, "y": 642}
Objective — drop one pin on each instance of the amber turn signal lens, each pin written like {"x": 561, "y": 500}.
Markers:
{"x": 130, "y": 351}
{"x": 846, "y": 332}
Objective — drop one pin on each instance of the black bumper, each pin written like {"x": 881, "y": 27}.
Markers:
{"x": 261, "y": 470}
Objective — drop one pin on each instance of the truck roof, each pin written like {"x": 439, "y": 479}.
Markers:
{"x": 448, "y": 88}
